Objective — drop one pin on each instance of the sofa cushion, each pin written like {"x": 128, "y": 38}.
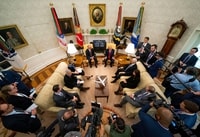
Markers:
{"x": 140, "y": 66}
{"x": 45, "y": 97}
{"x": 62, "y": 67}
{"x": 56, "y": 78}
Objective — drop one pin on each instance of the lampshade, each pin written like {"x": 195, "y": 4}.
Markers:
{"x": 71, "y": 49}
{"x": 130, "y": 49}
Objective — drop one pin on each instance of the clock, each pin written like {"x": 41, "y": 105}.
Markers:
{"x": 176, "y": 31}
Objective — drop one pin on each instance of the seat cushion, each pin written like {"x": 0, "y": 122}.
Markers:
{"x": 45, "y": 97}
{"x": 62, "y": 67}
{"x": 140, "y": 67}
{"x": 56, "y": 78}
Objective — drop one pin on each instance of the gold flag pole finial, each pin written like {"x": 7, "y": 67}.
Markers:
{"x": 73, "y": 4}
{"x": 51, "y": 4}
{"x": 120, "y": 3}
{"x": 143, "y": 3}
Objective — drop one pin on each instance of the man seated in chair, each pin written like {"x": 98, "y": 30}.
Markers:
{"x": 65, "y": 99}
{"x": 91, "y": 55}
{"x": 126, "y": 70}
{"x": 72, "y": 81}
{"x": 139, "y": 98}
{"x": 109, "y": 55}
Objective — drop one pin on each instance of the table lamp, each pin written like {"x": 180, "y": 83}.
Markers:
{"x": 130, "y": 50}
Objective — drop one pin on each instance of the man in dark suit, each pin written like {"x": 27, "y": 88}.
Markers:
{"x": 71, "y": 81}
{"x": 8, "y": 77}
{"x": 65, "y": 99}
{"x": 91, "y": 55}
{"x": 126, "y": 70}
{"x": 155, "y": 67}
{"x": 151, "y": 56}
{"x": 139, "y": 98}
{"x": 153, "y": 127}
{"x": 68, "y": 121}
{"x": 109, "y": 55}
{"x": 18, "y": 120}
{"x": 145, "y": 45}
{"x": 187, "y": 59}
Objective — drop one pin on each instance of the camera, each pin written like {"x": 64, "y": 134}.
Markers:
{"x": 112, "y": 117}
{"x": 94, "y": 119}
{"x": 177, "y": 125}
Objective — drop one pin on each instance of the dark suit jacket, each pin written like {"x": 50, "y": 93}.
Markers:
{"x": 153, "y": 69}
{"x": 63, "y": 101}
{"x": 147, "y": 126}
{"x": 192, "y": 61}
{"x": 131, "y": 82}
{"x": 19, "y": 102}
{"x": 145, "y": 99}
{"x": 11, "y": 77}
{"x": 143, "y": 56}
{"x": 87, "y": 52}
{"x": 70, "y": 82}
{"x": 111, "y": 54}
{"x": 129, "y": 71}
{"x": 146, "y": 48}
{"x": 152, "y": 60}
{"x": 21, "y": 123}
{"x": 68, "y": 125}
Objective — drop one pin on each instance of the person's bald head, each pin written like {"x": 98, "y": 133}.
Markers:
{"x": 164, "y": 116}
{"x": 133, "y": 60}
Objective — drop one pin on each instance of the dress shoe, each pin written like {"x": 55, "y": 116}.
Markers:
{"x": 81, "y": 103}
{"x": 96, "y": 66}
{"x": 78, "y": 106}
{"x": 113, "y": 81}
{"x": 116, "y": 92}
{"x": 113, "y": 76}
{"x": 120, "y": 93}
{"x": 84, "y": 88}
{"x": 118, "y": 105}
{"x": 105, "y": 65}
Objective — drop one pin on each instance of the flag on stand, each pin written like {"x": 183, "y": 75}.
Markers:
{"x": 137, "y": 27}
{"x": 79, "y": 36}
{"x": 61, "y": 37}
{"x": 118, "y": 36}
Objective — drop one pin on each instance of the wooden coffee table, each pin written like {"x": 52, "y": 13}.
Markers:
{"x": 122, "y": 60}
{"x": 101, "y": 90}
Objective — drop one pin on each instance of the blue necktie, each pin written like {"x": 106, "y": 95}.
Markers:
{"x": 187, "y": 59}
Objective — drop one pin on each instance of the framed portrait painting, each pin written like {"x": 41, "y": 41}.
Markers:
{"x": 12, "y": 36}
{"x": 67, "y": 26}
{"x": 97, "y": 14}
{"x": 128, "y": 24}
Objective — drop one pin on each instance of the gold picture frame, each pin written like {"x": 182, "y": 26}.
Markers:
{"x": 12, "y": 36}
{"x": 97, "y": 14}
{"x": 67, "y": 26}
{"x": 128, "y": 24}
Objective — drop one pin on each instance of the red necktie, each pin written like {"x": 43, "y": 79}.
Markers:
{"x": 109, "y": 53}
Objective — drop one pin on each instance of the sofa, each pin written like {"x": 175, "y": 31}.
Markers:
{"x": 44, "y": 98}
{"x": 145, "y": 80}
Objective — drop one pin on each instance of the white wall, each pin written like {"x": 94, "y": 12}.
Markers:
{"x": 34, "y": 19}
